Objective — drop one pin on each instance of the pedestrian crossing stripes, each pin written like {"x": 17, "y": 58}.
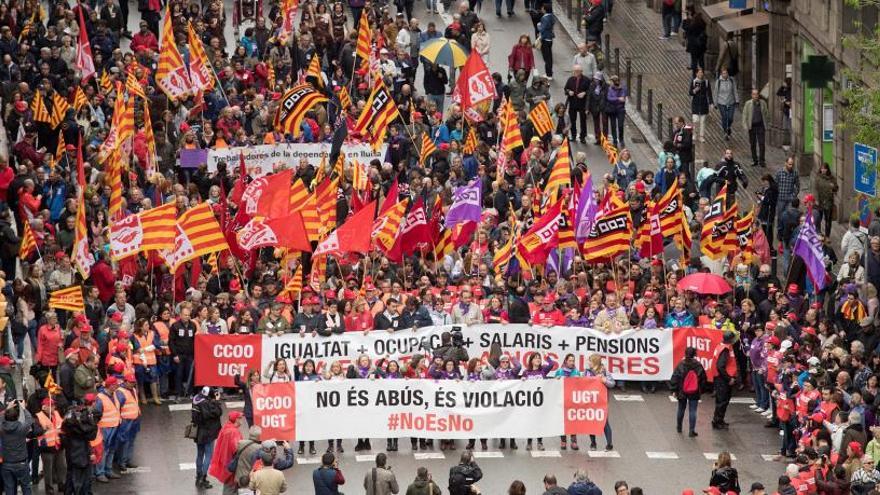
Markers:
{"x": 308, "y": 460}
{"x": 742, "y": 400}
{"x": 769, "y": 457}
{"x": 628, "y": 398}
{"x": 179, "y": 407}
{"x": 672, "y": 398}
{"x": 661, "y": 455}
{"x": 604, "y": 454}
{"x": 232, "y": 404}
{"x": 365, "y": 458}
{"x": 546, "y": 453}
{"x": 187, "y": 466}
{"x": 488, "y": 455}
{"x": 421, "y": 456}
{"x": 712, "y": 456}
{"x": 138, "y": 470}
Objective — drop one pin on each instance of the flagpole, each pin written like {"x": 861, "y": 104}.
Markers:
{"x": 219, "y": 84}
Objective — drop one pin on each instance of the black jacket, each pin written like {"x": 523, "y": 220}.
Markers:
{"x": 595, "y": 21}
{"x": 577, "y": 85}
{"x": 680, "y": 372}
{"x": 181, "y": 338}
{"x": 79, "y": 428}
{"x": 700, "y": 92}
{"x": 206, "y": 415}
{"x": 730, "y": 171}
{"x": 461, "y": 478}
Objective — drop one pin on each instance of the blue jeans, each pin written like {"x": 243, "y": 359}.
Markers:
{"x": 204, "y": 452}
{"x": 106, "y": 465}
{"x": 727, "y": 112}
{"x": 762, "y": 395}
{"x": 691, "y": 405}
{"x": 16, "y": 475}
{"x": 668, "y": 22}
{"x": 607, "y": 432}
{"x": 431, "y": 5}
{"x": 788, "y": 441}
{"x": 183, "y": 375}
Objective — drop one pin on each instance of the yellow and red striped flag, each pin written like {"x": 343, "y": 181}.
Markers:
{"x": 325, "y": 199}
{"x": 70, "y": 299}
{"x": 105, "y": 83}
{"x": 114, "y": 179}
{"x": 214, "y": 263}
{"x": 512, "y": 136}
{"x": 364, "y": 39}
{"x": 470, "y": 142}
{"x": 28, "y": 244}
{"x": 714, "y": 230}
{"x": 358, "y": 176}
{"x": 314, "y": 71}
{"x": 428, "y": 148}
{"x": 79, "y": 99}
{"x": 560, "y": 174}
{"x": 171, "y": 75}
{"x": 200, "y": 72}
{"x": 744, "y": 233}
{"x": 61, "y": 148}
{"x": 59, "y": 110}
{"x": 294, "y": 285}
{"x": 444, "y": 245}
{"x": 318, "y": 274}
{"x": 610, "y": 235}
{"x": 344, "y": 98}
{"x": 149, "y": 167}
{"x": 82, "y": 257}
{"x": 270, "y": 75}
{"x": 379, "y": 112}
{"x": 299, "y": 193}
{"x": 197, "y": 233}
{"x": 540, "y": 117}
{"x": 503, "y": 256}
{"x": 311, "y": 220}
{"x": 133, "y": 86}
{"x": 150, "y": 230}
{"x": 293, "y": 107}
{"x": 339, "y": 167}
{"x": 387, "y": 225}
{"x": 38, "y": 108}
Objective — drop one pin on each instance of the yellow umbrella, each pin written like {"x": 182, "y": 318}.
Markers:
{"x": 442, "y": 51}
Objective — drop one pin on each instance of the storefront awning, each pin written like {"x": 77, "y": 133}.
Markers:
{"x": 744, "y": 22}
{"x": 722, "y": 9}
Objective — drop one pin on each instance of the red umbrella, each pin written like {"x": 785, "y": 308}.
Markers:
{"x": 705, "y": 283}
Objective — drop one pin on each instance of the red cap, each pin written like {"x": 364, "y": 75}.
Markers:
{"x": 70, "y": 147}
{"x": 70, "y": 351}
{"x": 184, "y": 127}
{"x": 649, "y": 294}
{"x": 793, "y": 288}
{"x": 59, "y": 255}
{"x": 640, "y": 187}
{"x": 234, "y": 285}
{"x": 111, "y": 381}
{"x": 550, "y": 298}
{"x": 444, "y": 146}
{"x": 275, "y": 96}
{"x": 369, "y": 286}
{"x": 774, "y": 340}
{"x": 21, "y": 106}
{"x": 712, "y": 490}
{"x": 687, "y": 492}
{"x": 5, "y": 361}
{"x": 329, "y": 294}
{"x": 809, "y": 198}
{"x": 120, "y": 348}
{"x": 656, "y": 262}
{"x": 818, "y": 417}
{"x": 234, "y": 416}
{"x": 809, "y": 331}
{"x": 362, "y": 85}
{"x": 116, "y": 317}
{"x": 90, "y": 398}
{"x": 130, "y": 378}
{"x": 47, "y": 402}
{"x": 118, "y": 367}
{"x": 816, "y": 305}
{"x": 791, "y": 317}
{"x": 348, "y": 294}
{"x": 856, "y": 448}
{"x": 122, "y": 335}
{"x": 281, "y": 299}
{"x": 770, "y": 325}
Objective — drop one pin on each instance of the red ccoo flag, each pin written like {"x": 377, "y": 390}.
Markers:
{"x": 84, "y": 60}
{"x": 352, "y": 236}
{"x": 268, "y": 196}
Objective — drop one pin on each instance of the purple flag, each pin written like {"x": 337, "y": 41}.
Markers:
{"x": 808, "y": 247}
{"x": 467, "y": 204}
{"x": 553, "y": 261}
{"x": 586, "y": 210}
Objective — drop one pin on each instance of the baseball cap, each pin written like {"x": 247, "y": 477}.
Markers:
{"x": 755, "y": 487}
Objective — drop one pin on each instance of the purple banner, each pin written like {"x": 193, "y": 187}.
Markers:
{"x": 193, "y": 158}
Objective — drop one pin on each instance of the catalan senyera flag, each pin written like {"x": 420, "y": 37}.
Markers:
{"x": 503, "y": 255}
{"x": 114, "y": 179}
{"x": 298, "y": 195}
{"x": 314, "y": 71}
{"x": 28, "y": 244}
{"x": 70, "y": 299}
{"x": 744, "y": 235}
{"x": 294, "y": 285}
{"x": 610, "y": 235}
{"x": 512, "y": 138}
{"x": 364, "y": 39}
{"x": 730, "y": 242}
{"x": 358, "y": 176}
{"x": 339, "y": 166}
{"x": 214, "y": 263}
{"x": 318, "y": 274}
{"x": 470, "y": 142}
{"x": 126, "y": 129}
{"x": 714, "y": 231}
{"x": 325, "y": 200}
{"x": 105, "y": 83}
{"x": 199, "y": 69}
{"x": 684, "y": 239}
{"x": 79, "y": 99}
{"x": 149, "y": 167}
{"x": 270, "y": 75}
{"x": 150, "y": 230}
{"x": 38, "y": 108}
{"x": 668, "y": 207}
{"x": 311, "y": 218}
{"x": 344, "y": 98}
{"x": 542, "y": 237}
{"x": 293, "y": 107}
{"x": 133, "y": 86}
{"x": 609, "y": 148}
{"x": 61, "y": 148}
{"x": 387, "y": 225}
{"x": 171, "y": 75}
{"x": 444, "y": 244}
{"x": 379, "y": 112}
{"x": 540, "y": 117}
{"x": 197, "y": 233}
{"x": 428, "y": 148}
{"x": 560, "y": 174}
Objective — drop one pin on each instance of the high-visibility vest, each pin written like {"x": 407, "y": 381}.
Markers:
{"x": 130, "y": 409}
{"x": 164, "y": 332}
{"x": 51, "y": 429}
{"x": 730, "y": 368}
{"x": 110, "y": 417}
{"x": 142, "y": 356}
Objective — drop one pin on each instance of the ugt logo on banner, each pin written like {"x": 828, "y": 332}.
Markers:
{"x": 218, "y": 358}
{"x": 585, "y": 405}
{"x": 704, "y": 340}
{"x": 275, "y": 410}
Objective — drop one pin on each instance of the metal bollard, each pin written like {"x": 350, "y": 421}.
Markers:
{"x": 660, "y": 122}
{"x": 617, "y": 62}
{"x": 650, "y": 106}
{"x": 569, "y": 9}
{"x": 629, "y": 74}
{"x": 639, "y": 93}
{"x": 607, "y": 51}
{"x": 669, "y": 127}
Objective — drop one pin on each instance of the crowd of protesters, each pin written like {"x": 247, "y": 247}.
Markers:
{"x": 810, "y": 358}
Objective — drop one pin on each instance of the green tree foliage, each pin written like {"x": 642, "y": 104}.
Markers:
{"x": 862, "y": 114}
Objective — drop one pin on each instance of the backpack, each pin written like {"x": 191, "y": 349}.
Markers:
{"x": 691, "y": 383}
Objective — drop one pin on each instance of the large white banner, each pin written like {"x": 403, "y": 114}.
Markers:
{"x": 431, "y": 409}
{"x": 264, "y": 158}
{"x": 632, "y": 355}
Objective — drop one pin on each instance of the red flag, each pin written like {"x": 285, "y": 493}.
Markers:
{"x": 268, "y": 196}
{"x": 352, "y": 236}
{"x": 390, "y": 198}
{"x": 462, "y": 232}
{"x": 287, "y": 232}
{"x": 195, "y": 272}
{"x": 536, "y": 244}
{"x": 475, "y": 88}
{"x": 84, "y": 61}
{"x": 415, "y": 234}
{"x": 240, "y": 184}
{"x": 651, "y": 234}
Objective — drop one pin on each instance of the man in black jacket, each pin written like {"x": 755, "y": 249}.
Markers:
{"x": 732, "y": 173}
{"x": 17, "y": 425}
{"x": 683, "y": 140}
{"x": 576, "y": 89}
{"x": 463, "y": 476}
{"x": 79, "y": 428}
{"x": 181, "y": 340}
{"x": 687, "y": 399}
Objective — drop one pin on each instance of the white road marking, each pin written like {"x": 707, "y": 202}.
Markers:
{"x": 742, "y": 400}
{"x": 604, "y": 454}
{"x": 138, "y": 470}
{"x": 365, "y": 458}
{"x": 673, "y": 399}
{"x": 628, "y": 398}
{"x": 235, "y": 404}
{"x": 661, "y": 455}
{"x": 179, "y": 407}
{"x": 187, "y": 466}
{"x": 308, "y": 460}
{"x": 769, "y": 457}
{"x": 546, "y": 453}
{"x": 490, "y": 454}
{"x": 421, "y": 456}
{"x": 713, "y": 456}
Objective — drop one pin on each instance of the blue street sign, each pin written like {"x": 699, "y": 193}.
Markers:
{"x": 738, "y": 4}
{"x": 865, "y": 173}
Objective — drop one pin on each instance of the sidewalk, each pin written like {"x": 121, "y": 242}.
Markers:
{"x": 634, "y": 29}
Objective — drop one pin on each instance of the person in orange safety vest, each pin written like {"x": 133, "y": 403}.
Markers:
{"x": 724, "y": 363}
{"x": 49, "y": 444}
{"x": 130, "y": 413}
{"x": 108, "y": 405}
